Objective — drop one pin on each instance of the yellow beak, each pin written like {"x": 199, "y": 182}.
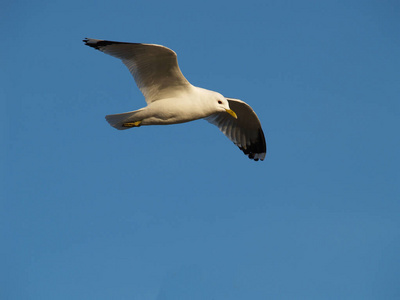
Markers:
{"x": 232, "y": 113}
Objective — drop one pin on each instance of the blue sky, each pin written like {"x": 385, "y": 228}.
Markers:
{"x": 178, "y": 212}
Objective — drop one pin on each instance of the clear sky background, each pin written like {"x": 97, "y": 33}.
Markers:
{"x": 179, "y": 212}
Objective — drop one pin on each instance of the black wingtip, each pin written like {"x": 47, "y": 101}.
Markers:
{"x": 256, "y": 150}
{"x": 86, "y": 41}
{"x": 97, "y": 44}
{"x": 91, "y": 43}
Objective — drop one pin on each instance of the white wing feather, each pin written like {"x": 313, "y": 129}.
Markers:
{"x": 154, "y": 67}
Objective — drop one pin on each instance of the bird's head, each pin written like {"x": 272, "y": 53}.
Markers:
{"x": 222, "y": 105}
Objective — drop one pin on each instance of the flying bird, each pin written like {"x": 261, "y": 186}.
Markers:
{"x": 171, "y": 99}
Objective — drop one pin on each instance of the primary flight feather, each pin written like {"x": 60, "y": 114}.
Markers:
{"x": 171, "y": 99}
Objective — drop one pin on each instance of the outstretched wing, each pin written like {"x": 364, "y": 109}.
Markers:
{"x": 245, "y": 131}
{"x": 154, "y": 67}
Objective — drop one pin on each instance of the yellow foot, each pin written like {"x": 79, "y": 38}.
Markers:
{"x": 132, "y": 124}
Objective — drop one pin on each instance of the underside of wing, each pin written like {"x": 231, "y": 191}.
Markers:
{"x": 245, "y": 131}
{"x": 154, "y": 67}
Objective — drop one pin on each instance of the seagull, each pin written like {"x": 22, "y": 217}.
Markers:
{"x": 171, "y": 99}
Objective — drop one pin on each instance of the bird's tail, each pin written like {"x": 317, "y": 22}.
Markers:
{"x": 125, "y": 120}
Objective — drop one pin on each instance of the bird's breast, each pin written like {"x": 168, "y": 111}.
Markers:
{"x": 173, "y": 111}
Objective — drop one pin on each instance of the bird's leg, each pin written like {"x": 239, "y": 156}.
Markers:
{"x": 132, "y": 124}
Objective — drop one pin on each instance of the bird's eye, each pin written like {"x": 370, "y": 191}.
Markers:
{"x": 219, "y": 102}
